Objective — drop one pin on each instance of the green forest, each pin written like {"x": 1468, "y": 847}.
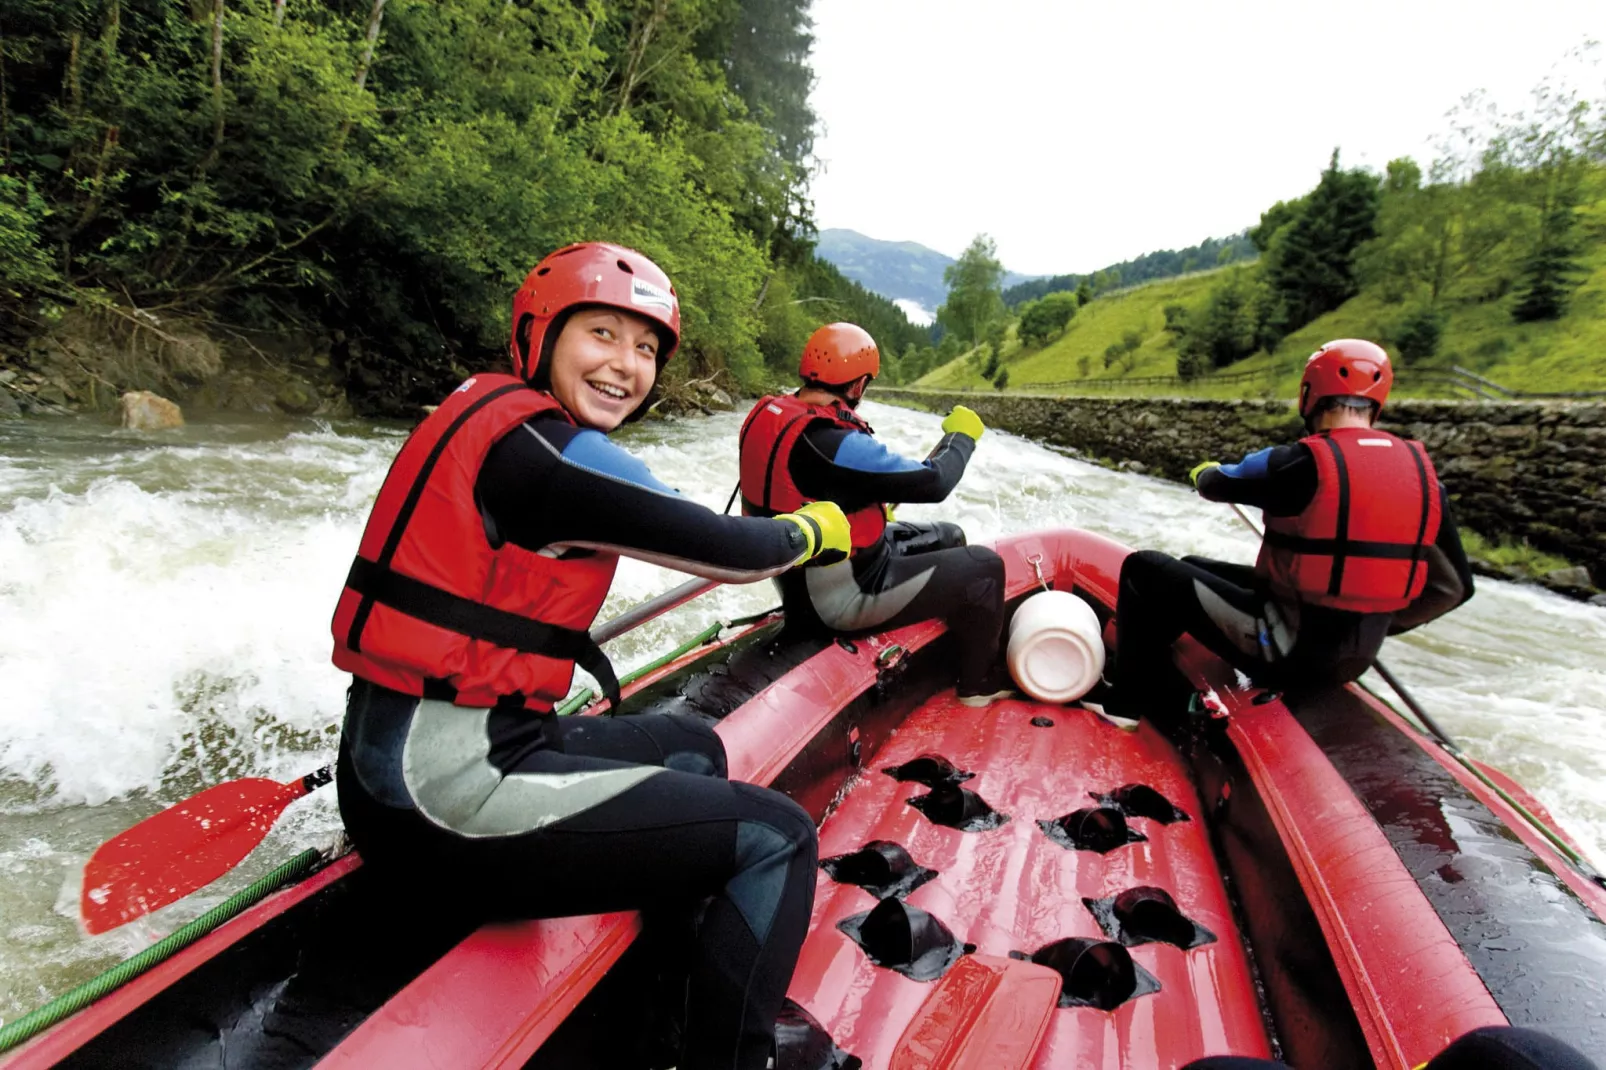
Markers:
{"x": 1491, "y": 259}
{"x": 382, "y": 175}
{"x": 1163, "y": 264}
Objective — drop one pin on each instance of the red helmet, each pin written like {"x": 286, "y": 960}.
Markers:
{"x": 1349, "y": 367}
{"x": 590, "y": 273}
{"x": 839, "y": 353}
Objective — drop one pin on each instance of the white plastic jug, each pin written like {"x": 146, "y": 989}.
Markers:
{"x": 1056, "y": 648}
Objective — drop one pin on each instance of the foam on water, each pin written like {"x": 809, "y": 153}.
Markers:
{"x": 165, "y": 602}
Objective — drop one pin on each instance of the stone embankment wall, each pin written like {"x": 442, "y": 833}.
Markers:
{"x": 1524, "y": 470}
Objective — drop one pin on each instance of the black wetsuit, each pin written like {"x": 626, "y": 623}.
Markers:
{"x": 1231, "y": 609}
{"x": 916, "y": 571}
{"x": 521, "y": 815}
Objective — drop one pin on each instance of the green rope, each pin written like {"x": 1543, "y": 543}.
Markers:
{"x": 70, "y": 1003}
{"x": 1562, "y": 847}
{"x": 580, "y": 700}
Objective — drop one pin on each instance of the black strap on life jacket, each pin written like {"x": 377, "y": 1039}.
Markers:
{"x": 1341, "y": 546}
{"x": 1422, "y": 524}
{"x": 464, "y": 616}
{"x": 404, "y": 515}
{"x": 1335, "y": 579}
{"x": 378, "y": 583}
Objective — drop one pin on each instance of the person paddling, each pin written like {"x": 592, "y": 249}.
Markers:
{"x": 1360, "y": 544}
{"x": 487, "y": 556}
{"x": 812, "y": 445}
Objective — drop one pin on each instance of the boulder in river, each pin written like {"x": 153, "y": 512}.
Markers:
{"x": 145, "y": 411}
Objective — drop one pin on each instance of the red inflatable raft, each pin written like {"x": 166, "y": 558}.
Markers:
{"x": 1021, "y": 886}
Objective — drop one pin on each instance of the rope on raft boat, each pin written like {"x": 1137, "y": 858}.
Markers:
{"x": 1448, "y": 743}
{"x": 71, "y": 1002}
{"x": 76, "y": 999}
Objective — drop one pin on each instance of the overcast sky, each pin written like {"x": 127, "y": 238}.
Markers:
{"x": 1080, "y": 134}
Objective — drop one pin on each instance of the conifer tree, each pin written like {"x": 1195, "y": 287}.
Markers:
{"x": 1550, "y": 271}
{"x": 1310, "y": 260}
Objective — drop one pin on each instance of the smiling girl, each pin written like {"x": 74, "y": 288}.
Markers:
{"x": 487, "y": 556}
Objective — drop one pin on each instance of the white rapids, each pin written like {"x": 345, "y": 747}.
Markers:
{"x": 164, "y": 625}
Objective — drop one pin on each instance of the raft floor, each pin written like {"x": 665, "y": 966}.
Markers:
{"x": 1012, "y": 888}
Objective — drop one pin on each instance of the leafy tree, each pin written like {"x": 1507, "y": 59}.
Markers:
{"x": 1176, "y": 320}
{"x": 1084, "y": 292}
{"x": 1417, "y": 334}
{"x": 997, "y": 332}
{"x": 389, "y": 170}
{"x": 1273, "y": 220}
{"x": 990, "y": 368}
{"x": 1191, "y": 364}
{"x": 1040, "y": 319}
{"x": 1221, "y": 332}
{"x": 1001, "y": 380}
{"x": 24, "y": 262}
{"x": 1121, "y": 352}
{"x": 974, "y": 300}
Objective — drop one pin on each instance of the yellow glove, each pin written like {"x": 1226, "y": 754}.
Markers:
{"x": 887, "y": 511}
{"x": 826, "y": 529}
{"x": 963, "y": 421}
{"x": 1198, "y": 470}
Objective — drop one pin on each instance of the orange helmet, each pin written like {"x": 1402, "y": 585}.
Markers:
{"x": 839, "y": 353}
{"x": 590, "y": 273}
{"x": 1348, "y": 367}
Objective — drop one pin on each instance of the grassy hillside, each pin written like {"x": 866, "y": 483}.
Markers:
{"x": 1101, "y": 324}
{"x": 1481, "y": 336}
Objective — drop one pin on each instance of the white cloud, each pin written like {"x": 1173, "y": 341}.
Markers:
{"x": 1079, "y": 133}
{"x": 918, "y": 314}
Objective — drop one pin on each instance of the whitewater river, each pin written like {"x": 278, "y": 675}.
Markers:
{"x": 165, "y": 603}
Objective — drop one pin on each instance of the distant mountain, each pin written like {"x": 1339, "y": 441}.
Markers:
{"x": 899, "y": 270}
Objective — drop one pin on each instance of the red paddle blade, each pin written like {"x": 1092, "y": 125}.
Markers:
{"x": 180, "y": 850}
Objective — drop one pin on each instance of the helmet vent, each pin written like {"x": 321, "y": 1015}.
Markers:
{"x": 1344, "y": 372}
{"x": 626, "y": 268}
{"x": 1377, "y": 376}
{"x": 542, "y": 270}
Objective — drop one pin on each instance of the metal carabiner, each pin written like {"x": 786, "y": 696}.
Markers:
{"x": 1036, "y": 561}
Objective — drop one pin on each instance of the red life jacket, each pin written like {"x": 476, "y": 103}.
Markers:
{"x": 768, "y": 435}
{"x": 431, "y": 608}
{"x": 1360, "y": 543}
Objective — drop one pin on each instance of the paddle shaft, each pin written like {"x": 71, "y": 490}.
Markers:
{"x": 1449, "y": 744}
{"x": 655, "y": 607}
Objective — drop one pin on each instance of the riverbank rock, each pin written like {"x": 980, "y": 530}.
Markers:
{"x": 145, "y": 411}
{"x": 1576, "y": 576}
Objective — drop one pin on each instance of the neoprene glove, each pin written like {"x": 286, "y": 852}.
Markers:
{"x": 963, "y": 421}
{"x": 1199, "y": 469}
{"x": 826, "y": 529}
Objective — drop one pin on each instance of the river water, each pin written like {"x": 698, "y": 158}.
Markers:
{"x": 165, "y": 604}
